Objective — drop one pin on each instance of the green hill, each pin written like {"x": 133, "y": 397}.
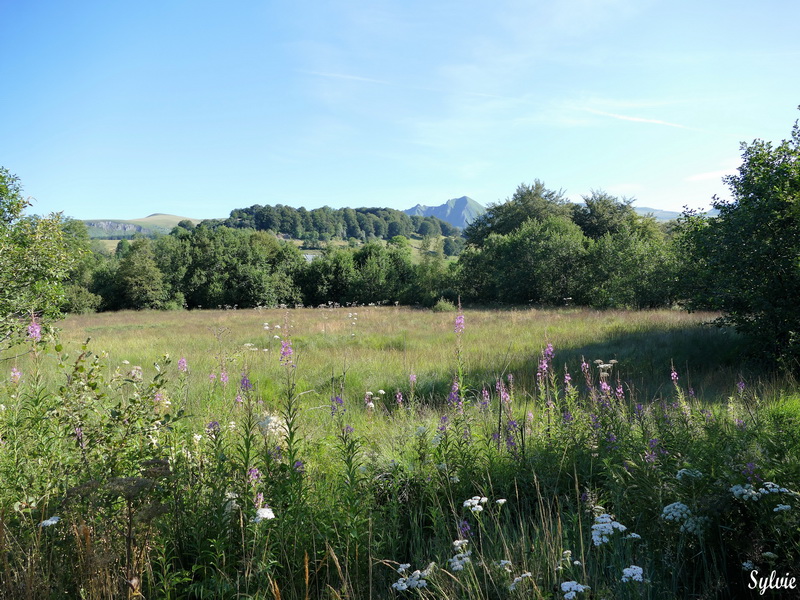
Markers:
{"x": 149, "y": 226}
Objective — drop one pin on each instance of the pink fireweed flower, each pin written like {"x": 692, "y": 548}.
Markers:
{"x": 286, "y": 352}
{"x": 223, "y": 377}
{"x": 459, "y": 327}
{"x": 239, "y": 399}
{"x": 16, "y": 375}
{"x": 183, "y": 367}
{"x": 35, "y": 331}
{"x": 412, "y": 378}
{"x": 399, "y": 398}
{"x": 674, "y": 376}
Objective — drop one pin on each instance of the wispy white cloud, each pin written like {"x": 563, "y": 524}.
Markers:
{"x": 348, "y": 77}
{"x": 635, "y": 119}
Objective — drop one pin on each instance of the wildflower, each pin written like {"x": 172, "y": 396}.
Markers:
{"x": 748, "y": 565}
{"x": 263, "y": 514}
{"x": 503, "y": 564}
{"x": 259, "y": 500}
{"x": 403, "y": 568}
{"x": 347, "y": 430}
{"x": 500, "y": 501}
{"x": 603, "y": 528}
{"x": 136, "y": 373}
{"x": 464, "y": 530}
{"x": 741, "y": 386}
{"x": 381, "y": 392}
{"x": 454, "y": 479}
{"x": 517, "y": 580}
{"x": 571, "y": 588}
{"x": 223, "y": 377}
{"x": 337, "y": 403}
{"x": 16, "y": 375}
{"x": 633, "y": 536}
{"x": 632, "y": 573}
{"x": 212, "y": 377}
{"x": 415, "y": 580}
{"x": 475, "y": 504}
{"x": 484, "y": 404}
{"x": 286, "y": 352}
{"x": 769, "y": 555}
{"x": 674, "y": 377}
{"x": 213, "y": 428}
{"x": 239, "y": 399}
{"x": 197, "y": 437}
{"x": 745, "y": 492}
{"x": 253, "y": 475}
{"x": 183, "y": 367}
{"x": 688, "y": 474}
{"x": 459, "y": 326}
{"x": 412, "y": 378}
{"x": 299, "y": 466}
{"x": 158, "y": 398}
{"x": 566, "y": 417}
{"x": 677, "y": 512}
{"x": 781, "y": 508}
{"x": 35, "y": 331}
{"x": 276, "y": 337}
{"x": 51, "y": 521}
{"x": 399, "y": 398}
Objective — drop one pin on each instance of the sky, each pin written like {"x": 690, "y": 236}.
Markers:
{"x": 118, "y": 110}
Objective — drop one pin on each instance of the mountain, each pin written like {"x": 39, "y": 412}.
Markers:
{"x": 660, "y": 215}
{"x": 457, "y": 211}
{"x": 148, "y": 226}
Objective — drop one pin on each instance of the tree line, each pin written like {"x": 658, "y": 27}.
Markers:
{"x": 536, "y": 248}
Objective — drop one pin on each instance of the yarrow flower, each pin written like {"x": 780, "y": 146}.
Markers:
{"x": 51, "y": 521}
{"x": 781, "y": 508}
{"x": 571, "y": 588}
{"x": 462, "y": 557}
{"x": 632, "y": 573}
{"x": 415, "y": 580}
{"x": 688, "y": 474}
{"x": 263, "y": 514}
{"x": 603, "y": 528}
{"x": 518, "y": 580}
{"x": 475, "y": 504}
{"x": 676, "y": 512}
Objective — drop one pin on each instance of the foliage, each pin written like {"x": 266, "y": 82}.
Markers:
{"x": 34, "y": 261}
{"x": 744, "y": 262}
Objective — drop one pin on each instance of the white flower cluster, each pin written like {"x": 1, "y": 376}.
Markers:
{"x": 263, "y": 514}
{"x": 503, "y": 564}
{"x": 745, "y": 492}
{"x": 571, "y": 588}
{"x": 781, "y": 508}
{"x": 695, "y": 525}
{"x": 632, "y": 573}
{"x": 603, "y": 528}
{"x": 517, "y": 580}
{"x": 688, "y": 474}
{"x": 415, "y": 580}
{"x": 566, "y": 560}
{"x": 51, "y": 521}
{"x": 458, "y": 562}
{"x": 475, "y": 504}
{"x": 772, "y": 488}
{"x": 677, "y": 511}
{"x": 748, "y": 565}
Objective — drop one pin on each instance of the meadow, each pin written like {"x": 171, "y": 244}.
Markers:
{"x": 389, "y": 452}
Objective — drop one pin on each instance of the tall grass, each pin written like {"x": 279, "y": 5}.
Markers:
{"x": 315, "y": 466}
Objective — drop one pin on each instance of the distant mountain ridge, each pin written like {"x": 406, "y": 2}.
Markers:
{"x": 459, "y": 212}
{"x": 149, "y": 226}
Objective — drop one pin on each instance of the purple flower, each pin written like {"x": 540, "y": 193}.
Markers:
{"x": 182, "y": 366}
{"x": 749, "y": 471}
{"x": 79, "y": 437}
{"x": 510, "y": 378}
{"x": 567, "y": 417}
{"x": 245, "y": 383}
{"x": 639, "y": 408}
{"x": 412, "y": 378}
{"x": 443, "y": 424}
{"x": 259, "y": 500}
{"x": 212, "y": 377}
{"x": 35, "y": 331}
{"x": 459, "y": 324}
{"x": 223, "y": 377}
{"x": 741, "y": 386}
{"x": 739, "y": 423}
{"x": 674, "y": 376}
{"x": 567, "y": 380}
{"x": 348, "y": 430}
{"x": 286, "y": 352}
{"x": 213, "y": 428}
{"x": 299, "y": 466}
{"x": 484, "y": 404}
{"x": 239, "y": 399}
{"x": 464, "y": 530}
{"x": 399, "y": 398}
{"x": 158, "y": 398}
{"x": 16, "y": 375}
{"x": 336, "y": 404}
{"x": 453, "y": 398}
{"x": 253, "y": 475}
{"x": 653, "y": 443}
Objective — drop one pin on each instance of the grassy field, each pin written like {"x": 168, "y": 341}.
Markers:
{"x": 313, "y": 453}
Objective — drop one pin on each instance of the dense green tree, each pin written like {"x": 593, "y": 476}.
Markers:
{"x": 745, "y": 262}
{"x": 602, "y": 213}
{"x": 35, "y": 260}
{"x": 139, "y": 280}
{"x": 528, "y": 202}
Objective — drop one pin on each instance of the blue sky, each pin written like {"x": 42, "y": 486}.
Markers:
{"x": 120, "y": 110}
